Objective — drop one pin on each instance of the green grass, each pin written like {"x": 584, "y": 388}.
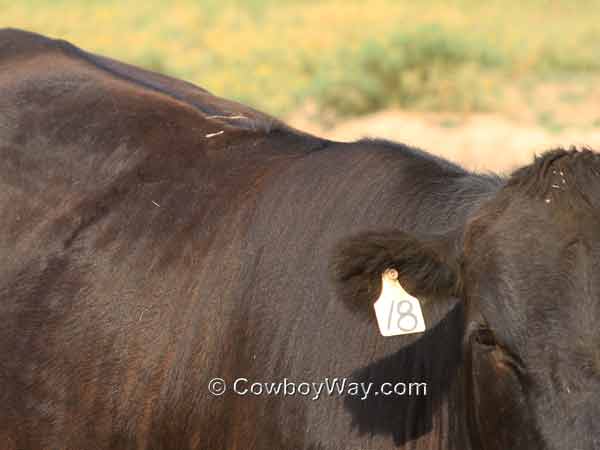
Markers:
{"x": 429, "y": 68}
{"x": 347, "y": 56}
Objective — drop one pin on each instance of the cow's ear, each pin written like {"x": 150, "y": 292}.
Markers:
{"x": 427, "y": 266}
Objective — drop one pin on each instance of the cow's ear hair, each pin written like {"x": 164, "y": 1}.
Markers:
{"x": 427, "y": 266}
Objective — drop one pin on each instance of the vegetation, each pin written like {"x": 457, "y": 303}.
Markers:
{"x": 346, "y": 56}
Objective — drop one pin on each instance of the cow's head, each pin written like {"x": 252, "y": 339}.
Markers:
{"x": 525, "y": 266}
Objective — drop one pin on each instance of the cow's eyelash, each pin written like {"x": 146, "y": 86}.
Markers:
{"x": 485, "y": 336}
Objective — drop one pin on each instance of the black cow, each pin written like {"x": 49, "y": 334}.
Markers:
{"x": 155, "y": 237}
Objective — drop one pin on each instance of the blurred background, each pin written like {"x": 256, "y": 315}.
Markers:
{"x": 484, "y": 83}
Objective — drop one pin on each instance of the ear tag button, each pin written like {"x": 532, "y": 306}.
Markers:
{"x": 397, "y": 311}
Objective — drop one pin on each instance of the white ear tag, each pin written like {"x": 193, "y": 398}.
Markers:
{"x": 397, "y": 311}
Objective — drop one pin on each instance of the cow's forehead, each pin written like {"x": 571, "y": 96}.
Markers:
{"x": 532, "y": 251}
{"x": 561, "y": 177}
{"x": 558, "y": 194}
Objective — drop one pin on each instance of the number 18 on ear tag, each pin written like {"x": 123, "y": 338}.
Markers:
{"x": 397, "y": 311}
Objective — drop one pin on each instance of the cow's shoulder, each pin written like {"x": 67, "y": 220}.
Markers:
{"x": 20, "y": 44}
{"x": 45, "y": 61}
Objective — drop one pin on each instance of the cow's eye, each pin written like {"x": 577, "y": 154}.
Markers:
{"x": 485, "y": 336}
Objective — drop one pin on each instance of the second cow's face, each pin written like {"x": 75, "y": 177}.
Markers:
{"x": 532, "y": 295}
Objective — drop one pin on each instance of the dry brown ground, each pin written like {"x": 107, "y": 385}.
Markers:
{"x": 482, "y": 142}
{"x": 534, "y": 120}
